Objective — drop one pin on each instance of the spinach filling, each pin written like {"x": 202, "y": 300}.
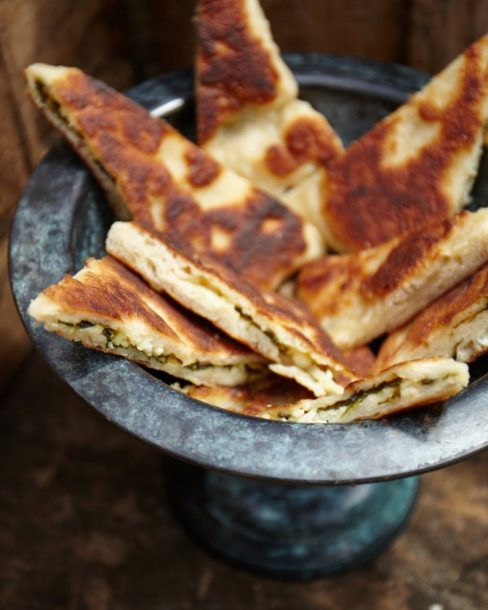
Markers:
{"x": 53, "y": 105}
{"x": 56, "y": 109}
{"x": 116, "y": 339}
{"x": 271, "y": 336}
{"x": 354, "y": 401}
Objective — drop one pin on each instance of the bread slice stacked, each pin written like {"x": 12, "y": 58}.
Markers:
{"x": 415, "y": 166}
{"x": 108, "y": 308}
{"x": 359, "y": 297}
{"x": 206, "y": 235}
{"x": 153, "y": 174}
{"x": 455, "y": 325}
{"x": 249, "y": 116}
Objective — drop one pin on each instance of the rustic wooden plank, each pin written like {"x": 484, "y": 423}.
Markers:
{"x": 479, "y": 17}
{"x": 374, "y": 29}
{"x": 425, "y": 34}
{"x": 369, "y": 29}
{"x": 438, "y": 31}
{"x": 70, "y": 33}
{"x": 13, "y": 156}
{"x": 13, "y": 172}
{"x": 14, "y": 344}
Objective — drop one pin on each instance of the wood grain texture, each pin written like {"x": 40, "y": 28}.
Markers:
{"x": 14, "y": 169}
{"x": 14, "y": 165}
{"x": 353, "y": 27}
{"x": 14, "y": 344}
{"x": 425, "y": 34}
{"x": 86, "y": 526}
{"x": 79, "y": 33}
{"x": 67, "y": 33}
{"x": 438, "y": 31}
{"x": 372, "y": 29}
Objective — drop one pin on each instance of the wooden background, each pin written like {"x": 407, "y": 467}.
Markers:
{"x": 125, "y": 41}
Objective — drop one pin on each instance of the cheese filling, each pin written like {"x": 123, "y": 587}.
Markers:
{"x": 387, "y": 396}
{"x": 114, "y": 341}
{"x": 472, "y": 336}
{"x": 292, "y": 363}
{"x": 229, "y": 311}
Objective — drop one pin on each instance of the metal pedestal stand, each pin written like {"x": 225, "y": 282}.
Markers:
{"x": 292, "y": 532}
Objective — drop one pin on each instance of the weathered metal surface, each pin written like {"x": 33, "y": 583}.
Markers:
{"x": 291, "y": 532}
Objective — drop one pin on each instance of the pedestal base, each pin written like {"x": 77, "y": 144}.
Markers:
{"x": 297, "y": 533}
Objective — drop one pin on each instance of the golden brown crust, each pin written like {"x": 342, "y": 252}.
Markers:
{"x": 358, "y": 297}
{"x": 123, "y": 136}
{"x": 253, "y": 398}
{"x": 248, "y": 114}
{"x": 305, "y": 139}
{"x": 254, "y": 232}
{"x": 439, "y": 314}
{"x": 263, "y": 240}
{"x": 361, "y": 360}
{"x": 110, "y": 290}
{"x": 101, "y": 109}
{"x": 233, "y": 66}
{"x": 279, "y": 329}
{"x": 202, "y": 169}
{"x": 329, "y": 276}
{"x": 369, "y": 203}
{"x": 326, "y": 282}
{"x": 442, "y": 311}
{"x": 407, "y": 257}
{"x": 293, "y": 314}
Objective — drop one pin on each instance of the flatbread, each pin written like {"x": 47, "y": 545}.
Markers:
{"x": 238, "y": 64}
{"x": 275, "y": 327}
{"x": 108, "y": 308}
{"x": 360, "y": 359}
{"x": 401, "y": 387}
{"x": 249, "y": 399}
{"x": 455, "y": 326}
{"x": 153, "y": 174}
{"x": 415, "y": 166}
{"x": 307, "y": 199}
{"x": 358, "y": 297}
{"x": 249, "y": 116}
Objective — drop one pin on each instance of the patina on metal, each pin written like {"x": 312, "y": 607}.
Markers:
{"x": 288, "y": 531}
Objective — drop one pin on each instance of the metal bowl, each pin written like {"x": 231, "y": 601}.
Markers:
{"x": 62, "y": 218}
